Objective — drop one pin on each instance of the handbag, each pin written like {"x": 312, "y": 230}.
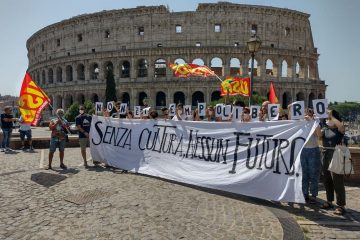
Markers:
{"x": 341, "y": 162}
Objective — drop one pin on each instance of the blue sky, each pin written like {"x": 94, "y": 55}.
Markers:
{"x": 335, "y": 26}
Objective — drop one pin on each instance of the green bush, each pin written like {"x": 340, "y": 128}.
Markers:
{"x": 256, "y": 100}
{"x": 73, "y": 110}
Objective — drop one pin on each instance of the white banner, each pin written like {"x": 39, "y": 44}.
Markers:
{"x": 259, "y": 159}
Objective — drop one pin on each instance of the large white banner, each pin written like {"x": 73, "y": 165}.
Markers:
{"x": 259, "y": 159}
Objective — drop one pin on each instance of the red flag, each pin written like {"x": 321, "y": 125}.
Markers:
{"x": 272, "y": 95}
{"x": 32, "y": 101}
{"x": 235, "y": 86}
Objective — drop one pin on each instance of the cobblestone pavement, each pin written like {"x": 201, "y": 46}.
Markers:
{"x": 100, "y": 203}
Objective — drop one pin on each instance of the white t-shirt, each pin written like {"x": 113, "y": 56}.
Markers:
{"x": 183, "y": 117}
{"x": 24, "y": 126}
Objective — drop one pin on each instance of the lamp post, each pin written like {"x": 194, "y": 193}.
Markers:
{"x": 253, "y": 46}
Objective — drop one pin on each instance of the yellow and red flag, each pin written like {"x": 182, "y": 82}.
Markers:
{"x": 190, "y": 69}
{"x": 32, "y": 101}
{"x": 272, "y": 95}
{"x": 235, "y": 86}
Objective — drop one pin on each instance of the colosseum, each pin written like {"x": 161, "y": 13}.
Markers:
{"x": 69, "y": 59}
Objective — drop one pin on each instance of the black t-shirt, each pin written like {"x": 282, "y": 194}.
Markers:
{"x": 84, "y": 120}
{"x": 6, "y": 125}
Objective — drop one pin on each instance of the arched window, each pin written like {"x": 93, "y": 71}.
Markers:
{"x": 311, "y": 98}
{"x": 59, "y": 74}
{"x": 160, "y": 99}
{"x": 215, "y": 95}
{"x": 284, "y": 69}
{"x": 51, "y": 76}
{"x": 179, "y": 97}
{"x": 125, "y": 98}
{"x": 142, "y": 68}
{"x": 142, "y": 97}
{"x": 269, "y": 67}
{"x": 58, "y": 102}
{"x": 94, "y": 71}
{"x": 81, "y": 72}
{"x": 297, "y": 70}
{"x": 109, "y": 66}
{"x": 255, "y": 67}
{"x": 94, "y": 98}
{"x": 68, "y": 101}
{"x": 217, "y": 66}
{"x": 179, "y": 61}
{"x": 235, "y": 67}
{"x": 300, "y": 96}
{"x": 198, "y": 61}
{"x": 197, "y": 97}
{"x": 160, "y": 68}
{"x": 125, "y": 69}
{"x": 43, "y": 77}
{"x": 80, "y": 98}
{"x": 69, "y": 73}
{"x": 286, "y": 100}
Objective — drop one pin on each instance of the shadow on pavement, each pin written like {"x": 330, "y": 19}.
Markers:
{"x": 47, "y": 179}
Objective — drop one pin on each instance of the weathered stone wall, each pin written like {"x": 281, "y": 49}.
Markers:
{"x": 68, "y": 59}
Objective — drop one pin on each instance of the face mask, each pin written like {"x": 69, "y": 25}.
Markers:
{"x": 81, "y": 111}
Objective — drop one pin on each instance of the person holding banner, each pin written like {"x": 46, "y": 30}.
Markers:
{"x": 165, "y": 113}
{"x": 7, "y": 123}
{"x": 59, "y": 128}
{"x": 210, "y": 114}
{"x": 245, "y": 115}
{"x": 83, "y": 123}
{"x": 332, "y": 135}
{"x": 180, "y": 114}
{"x": 263, "y": 114}
{"x": 310, "y": 163}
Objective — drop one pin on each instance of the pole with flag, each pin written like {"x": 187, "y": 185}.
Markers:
{"x": 32, "y": 101}
{"x": 272, "y": 95}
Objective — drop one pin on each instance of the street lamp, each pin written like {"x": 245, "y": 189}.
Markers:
{"x": 253, "y": 46}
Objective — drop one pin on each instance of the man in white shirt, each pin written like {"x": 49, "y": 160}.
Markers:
{"x": 25, "y": 131}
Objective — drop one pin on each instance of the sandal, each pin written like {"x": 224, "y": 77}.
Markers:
{"x": 326, "y": 206}
{"x": 48, "y": 167}
{"x": 63, "y": 166}
{"x": 339, "y": 211}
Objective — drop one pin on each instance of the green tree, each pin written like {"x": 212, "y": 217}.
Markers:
{"x": 72, "y": 112}
{"x": 89, "y": 107}
{"x": 256, "y": 100}
{"x": 110, "y": 91}
{"x": 348, "y": 110}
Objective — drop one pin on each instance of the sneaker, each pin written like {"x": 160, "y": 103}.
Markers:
{"x": 96, "y": 162}
{"x": 22, "y": 148}
{"x": 312, "y": 200}
{"x": 63, "y": 166}
{"x": 3, "y": 150}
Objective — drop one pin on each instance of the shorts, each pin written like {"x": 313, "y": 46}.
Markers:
{"x": 84, "y": 142}
{"x": 26, "y": 133}
{"x": 57, "y": 143}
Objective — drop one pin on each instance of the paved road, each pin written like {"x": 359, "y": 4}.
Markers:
{"x": 100, "y": 203}
{"x": 97, "y": 203}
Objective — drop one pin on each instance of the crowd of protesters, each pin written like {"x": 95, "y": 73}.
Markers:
{"x": 330, "y": 132}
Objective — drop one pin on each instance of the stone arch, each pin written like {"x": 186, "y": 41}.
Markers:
{"x": 43, "y": 77}
{"x": 256, "y": 67}
{"x": 80, "y": 98}
{"x": 94, "y": 71}
{"x": 215, "y": 95}
{"x": 160, "y": 68}
{"x": 179, "y": 97}
{"x": 300, "y": 96}
{"x": 38, "y": 77}
{"x": 216, "y": 65}
{"x": 125, "y": 98}
{"x": 94, "y": 98}
{"x": 160, "y": 99}
{"x": 50, "y": 76}
{"x": 69, "y": 73}
{"x": 311, "y": 98}
{"x": 312, "y": 70}
{"x": 235, "y": 67}
{"x": 284, "y": 68}
{"x": 125, "y": 69}
{"x": 197, "y": 97}
{"x": 141, "y": 98}
{"x": 108, "y": 67}
{"x": 179, "y": 61}
{"x": 269, "y": 67}
{"x": 301, "y": 69}
{"x": 59, "y": 74}
{"x": 297, "y": 70}
{"x": 80, "y": 71}
{"x": 142, "y": 68}
{"x": 286, "y": 99}
{"x": 68, "y": 101}
{"x": 198, "y": 61}
{"x": 58, "y": 101}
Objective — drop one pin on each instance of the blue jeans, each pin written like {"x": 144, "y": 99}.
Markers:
{"x": 7, "y": 135}
{"x": 310, "y": 163}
